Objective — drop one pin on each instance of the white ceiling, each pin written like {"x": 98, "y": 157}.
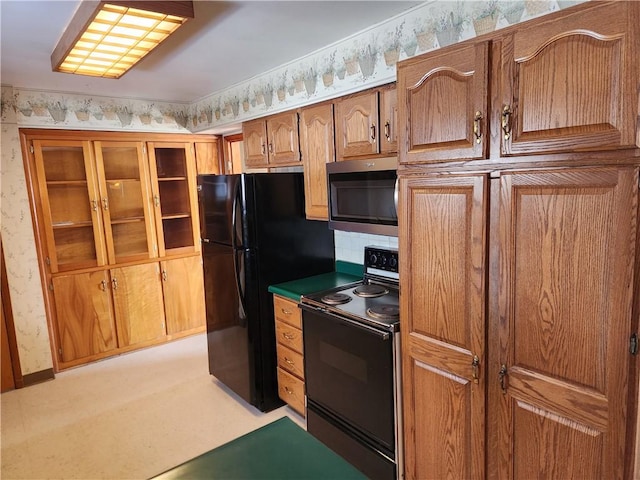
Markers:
{"x": 226, "y": 43}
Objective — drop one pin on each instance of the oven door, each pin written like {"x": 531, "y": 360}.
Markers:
{"x": 349, "y": 372}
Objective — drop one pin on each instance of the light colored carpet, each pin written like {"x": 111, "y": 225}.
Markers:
{"x": 129, "y": 417}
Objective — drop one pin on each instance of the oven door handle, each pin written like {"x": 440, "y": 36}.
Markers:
{"x": 374, "y": 331}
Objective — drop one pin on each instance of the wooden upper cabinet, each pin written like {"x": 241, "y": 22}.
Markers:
{"x": 71, "y": 205}
{"x": 443, "y": 258}
{"x": 125, "y": 200}
{"x": 175, "y": 197}
{"x": 389, "y": 120}
{"x": 443, "y": 102}
{"x": 357, "y": 125}
{"x": 284, "y": 144}
{"x": 317, "y": 146}
{"x": 254, "y": 135}
{"x": 571, "y": 84}
{"x": 207, "y": 158}
{"x": 565, "y": 290}
{"x": 272, "y": 141}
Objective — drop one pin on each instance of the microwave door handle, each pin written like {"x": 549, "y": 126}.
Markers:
{"x": 395, "y": 196}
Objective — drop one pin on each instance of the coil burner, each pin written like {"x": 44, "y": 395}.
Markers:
{"x": 335, "y": 298}
{"x": 370, "y": 291}
{"x": 384, "y": 312}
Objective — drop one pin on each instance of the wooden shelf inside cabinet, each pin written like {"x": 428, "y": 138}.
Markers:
{"x": 173, "y": 173}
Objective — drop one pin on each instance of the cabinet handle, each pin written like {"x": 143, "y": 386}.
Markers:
{"x": 477, "y": 132}
{"x": 103, "y": 285}
{"x": 156, "y": 200}
{"x": 164, "y": 275}
{"x": 262, "y": 149}
{"x": 387, "y": 131}
{"x": 506, "y": 122}
{"x": 94, "y": 205}
{"x": 105, "y": 204}
{"x": 501, "y": 377}
{"x": 288, "y": 390}
{"x": 475, "y": 364}
{"x": 114, "y": 283}
{"x": 271, "y": 148}
{"x": 288, "y": 361}
{"x": 286, "y": 312}
{"x": 373, "y": 131}
{"x": 288, "y": 336}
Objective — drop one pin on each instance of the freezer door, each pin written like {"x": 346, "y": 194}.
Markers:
{"x": 218, "y": 195}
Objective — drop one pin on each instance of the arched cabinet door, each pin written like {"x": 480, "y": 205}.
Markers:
{"x": 571, "y": 84}
{"x": 442, "y": 103}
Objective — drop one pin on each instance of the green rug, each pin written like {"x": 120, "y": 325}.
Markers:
{"x": 278, "y": 451}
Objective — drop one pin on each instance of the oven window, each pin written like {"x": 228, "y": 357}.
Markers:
{"x": 349, "y": 371}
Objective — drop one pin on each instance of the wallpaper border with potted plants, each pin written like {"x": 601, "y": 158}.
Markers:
{"x": 363, "y": 60}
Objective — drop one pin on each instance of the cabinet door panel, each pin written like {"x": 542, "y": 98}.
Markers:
{"x": 254, "y": 139}
{"x": 68, "y": 190}
{"x": 282, "y": 131}
{"x": 389, "y": 120}
{"x": 565, "y": 314}
{"x": 125, "y": 196}
{"x": 317, "y": 146}
{"x": 442, "y": 265}
{"x": 441, "y": 100}
{"x": 183, "y": 287}
{"x": 572, "y": 84}
{"x": 137, "y": 293}
{"x": 357, "y": 125}
{"x": 84, "y": 315}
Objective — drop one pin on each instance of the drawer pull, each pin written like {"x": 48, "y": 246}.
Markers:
{"x": 288, "y": 390}
{"x": 286, "y": 312}
{"x": 288, "y": 361}
{"x": 288, "y": 336}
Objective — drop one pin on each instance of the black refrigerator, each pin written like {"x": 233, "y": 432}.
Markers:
{"x": 254, "y": 234}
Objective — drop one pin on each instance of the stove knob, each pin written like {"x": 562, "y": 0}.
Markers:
{"x": 393, "y": 262}
{"x": 373, "y": 259}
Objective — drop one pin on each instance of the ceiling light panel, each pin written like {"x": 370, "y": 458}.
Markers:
{"x": 117, "y": 36}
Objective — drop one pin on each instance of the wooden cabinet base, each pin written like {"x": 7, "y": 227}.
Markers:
{"x": 291, "y": 390}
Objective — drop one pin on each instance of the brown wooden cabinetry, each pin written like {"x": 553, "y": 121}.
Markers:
{"x": 272, "y": 141}
{"x": 543, "y": 74}
{"x": 290, "y": 355}
{"x": 111, "y": 208}
{"x": 358, "y": 120}
{"x": 518, "y": 251}
{"x": 317, "y": 147}
{"x": 207, "y": 157}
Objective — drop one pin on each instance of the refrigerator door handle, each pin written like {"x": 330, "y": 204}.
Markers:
{"x": 234, "y": 216}
{"x": 238, "y": 273}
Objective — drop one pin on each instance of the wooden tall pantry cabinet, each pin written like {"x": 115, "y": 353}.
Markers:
{"x": 519, "y": 175}
{"x": 117, "y": 232}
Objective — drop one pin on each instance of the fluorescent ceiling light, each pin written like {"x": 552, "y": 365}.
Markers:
{"x": 105, "y": 39}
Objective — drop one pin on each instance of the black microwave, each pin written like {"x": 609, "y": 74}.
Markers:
{"x": 363, "y": 196}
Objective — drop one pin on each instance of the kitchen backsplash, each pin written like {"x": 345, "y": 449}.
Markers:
{"x": 349, "y": 246}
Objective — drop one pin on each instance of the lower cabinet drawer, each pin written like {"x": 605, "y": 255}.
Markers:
{"x": 289, "y": 336}
{"x": 291, "y": 390}
{"x": 290, "y": 361}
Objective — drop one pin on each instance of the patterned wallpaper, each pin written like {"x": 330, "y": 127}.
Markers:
{"x": 363, "y": 60}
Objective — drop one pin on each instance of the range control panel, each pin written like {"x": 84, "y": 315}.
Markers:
{"x": 381, "y": 258}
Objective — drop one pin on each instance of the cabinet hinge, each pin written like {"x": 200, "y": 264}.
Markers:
{"x": 199, "y": 188}
{"x": 31, "y": 149}
{"x": 51, "y": 286}
{"x": 60, "y": 351}
{"x": 633, "y": 344}
{"x": 47, "y": 261}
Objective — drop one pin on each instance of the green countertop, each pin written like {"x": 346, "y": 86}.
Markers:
{"x": 345, "y": 273}
{"x": 278, "y": 451}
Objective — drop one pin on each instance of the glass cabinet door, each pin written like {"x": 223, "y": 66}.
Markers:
{"x": 173, "y": 178}
{"x": 73, "y": 227}
{"x": 125, "y": 201}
